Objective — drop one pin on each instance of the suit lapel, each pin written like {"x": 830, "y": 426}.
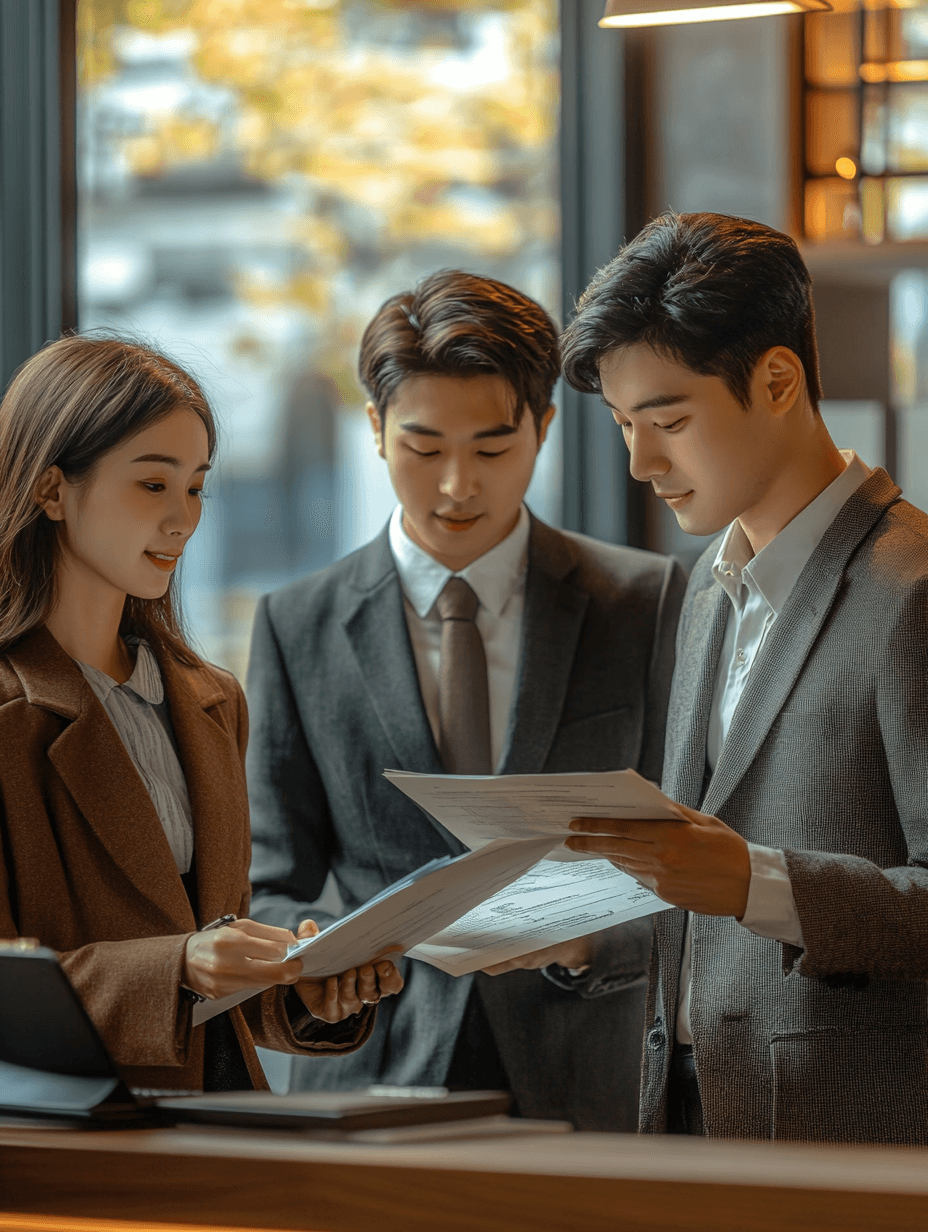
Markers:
{"x": 375, "y": 626}
{"x": 100, "y": 776}
{"x": 555, "y": 608}
{"x": 691, "y": 699}
{"x": 215, "y": 778}
{"x": 793, "y": 635}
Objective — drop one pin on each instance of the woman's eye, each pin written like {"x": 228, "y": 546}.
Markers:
{"x": 200, "y": 493}
{"x": 486, "y": 453}
{"x": 154, "y": 487}
{"x": 421, "y": 453}
{"x": 677, "y": 423}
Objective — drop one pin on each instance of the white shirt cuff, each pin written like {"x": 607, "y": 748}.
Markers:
{"x": 771, "y": 910}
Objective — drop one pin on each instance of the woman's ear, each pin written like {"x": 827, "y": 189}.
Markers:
{"x": 48, "y": 493}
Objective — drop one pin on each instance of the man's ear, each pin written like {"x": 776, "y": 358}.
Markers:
{"x": 48, "y": 493}
{"x": 377, "y": 424}
{"x": 545, "y": 424}
{"x": 782, "y": 377}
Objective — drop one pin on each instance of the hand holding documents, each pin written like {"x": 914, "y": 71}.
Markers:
{"x": 478, "y": 809}
{"x": 555, "y": 901}
{"x": 406, "y": 913}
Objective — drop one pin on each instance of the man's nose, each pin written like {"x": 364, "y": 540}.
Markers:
{"x": 459, "y": 480}
{"x": 646, "y": 460}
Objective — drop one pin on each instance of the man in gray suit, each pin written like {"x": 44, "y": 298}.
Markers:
{"x": 788, "y": 997}
{"x": 356, "y": 669}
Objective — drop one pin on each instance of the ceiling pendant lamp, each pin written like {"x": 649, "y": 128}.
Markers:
{"x": 623, "y": 14}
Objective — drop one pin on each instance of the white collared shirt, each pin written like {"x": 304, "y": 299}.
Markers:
{"x": 758, "y": 587}
{"x": 138, "y": 711}
{"x": 498, "y": 580}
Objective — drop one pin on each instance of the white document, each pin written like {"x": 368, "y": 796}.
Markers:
{"x": 551, "y": 903}
{"x": 478, "y": 809}
{"x": 405, "y": 913}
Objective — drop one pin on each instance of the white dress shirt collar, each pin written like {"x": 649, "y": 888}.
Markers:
{"x": 775, "y": 569}
{"x": 494, "y": 577}
{"x": 145, "y": 680}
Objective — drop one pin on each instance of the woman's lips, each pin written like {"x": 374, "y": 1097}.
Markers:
{"x": 458, "y": 524}
{"x": 167, "y": 565}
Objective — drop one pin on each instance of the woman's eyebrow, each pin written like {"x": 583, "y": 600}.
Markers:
{"x": 165, "y": 460}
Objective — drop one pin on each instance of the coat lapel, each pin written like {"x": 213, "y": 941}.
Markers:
{"x": 100, "y": 776}
{"x": 375, "y": 626}
{"x": 215, "y": 778}
{"x": 691, "y": 696}
{"x": 793, "y": 635}
{"x": 555, "y": 608}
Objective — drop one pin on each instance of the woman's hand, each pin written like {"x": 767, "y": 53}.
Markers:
{"x": 243, "y": 954}
{"x": 336, "y": 997}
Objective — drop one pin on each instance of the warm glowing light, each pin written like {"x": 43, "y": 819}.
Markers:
{"x": 846, "y": 168}
{"x": 722, "y": 12}
{"x": 896, "y": 70}
{"x": 82, "y": 1223}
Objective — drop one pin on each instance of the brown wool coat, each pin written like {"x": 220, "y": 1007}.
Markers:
{"x": 85, "y": 866}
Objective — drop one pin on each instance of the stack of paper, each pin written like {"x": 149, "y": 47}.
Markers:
{"x": 567, "y": 894}
{"x": 517, "y": 890}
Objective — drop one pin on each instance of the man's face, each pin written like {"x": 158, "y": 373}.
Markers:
{"x": 458, "y": 463}
{"x": 711, "y": 459}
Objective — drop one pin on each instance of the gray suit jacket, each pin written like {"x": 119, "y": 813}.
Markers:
{"x": 334, "y": 699}
{"x": 826, "y": 757}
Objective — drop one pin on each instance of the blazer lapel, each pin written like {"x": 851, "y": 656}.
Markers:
{"x": 794, "y": 633}
{"x": 691, "y": 698}
{"x": 215, "y": 778}
{"x": 555, "y": 608}
{"x": 100, "y": 776}
{"x": 375, "y": 626}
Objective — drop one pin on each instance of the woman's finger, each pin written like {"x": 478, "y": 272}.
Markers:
{"x": 367, "y": 989}
{"x": 254, "y": 928}
{"x": 389, "y": 980}
{"x": 239, "y": 946}
{"x": 349, "y": 1001}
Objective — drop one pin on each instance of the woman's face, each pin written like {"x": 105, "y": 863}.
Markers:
{"x": 125, "y": 528}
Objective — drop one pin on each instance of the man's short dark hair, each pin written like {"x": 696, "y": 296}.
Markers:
{"x": 711, "y": 292}
{"x": 462, "y": 325}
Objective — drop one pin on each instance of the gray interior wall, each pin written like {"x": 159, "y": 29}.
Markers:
{"x": 721, "y": 124}
{"x": 723, "y": 116}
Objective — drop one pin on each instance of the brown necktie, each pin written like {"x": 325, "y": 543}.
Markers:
{"x": 463, "y": 696}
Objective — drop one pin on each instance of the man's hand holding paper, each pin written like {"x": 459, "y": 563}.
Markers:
{"x": 538, "y": 919}
{"x": 696, "y": 862}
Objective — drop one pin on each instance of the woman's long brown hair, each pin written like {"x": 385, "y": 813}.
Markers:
{"x": 67, "y": 406}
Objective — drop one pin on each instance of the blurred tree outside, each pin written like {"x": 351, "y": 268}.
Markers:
{"x": 257, "y": 176}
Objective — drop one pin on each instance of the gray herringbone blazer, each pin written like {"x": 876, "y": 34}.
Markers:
{"x": 334, "y": 699}
{"x": 826, "y": 757}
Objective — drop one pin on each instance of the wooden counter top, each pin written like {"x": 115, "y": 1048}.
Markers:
{"x": 569, "y": 1183}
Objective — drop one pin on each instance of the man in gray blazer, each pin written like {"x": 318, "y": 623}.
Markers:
{"x": 788, "y": 998}
{"x": 347, "y": 678}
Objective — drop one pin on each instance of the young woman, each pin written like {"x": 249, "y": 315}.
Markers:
{"x": 123, "y": 813}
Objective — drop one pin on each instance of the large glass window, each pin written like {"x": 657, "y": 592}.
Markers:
{"x": 256, "y": 177}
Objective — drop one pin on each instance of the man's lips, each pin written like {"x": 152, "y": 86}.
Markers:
{"x": 455, "y": 522}
{"x": 674, "y": 498}
{"x": 163, "y": 560}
